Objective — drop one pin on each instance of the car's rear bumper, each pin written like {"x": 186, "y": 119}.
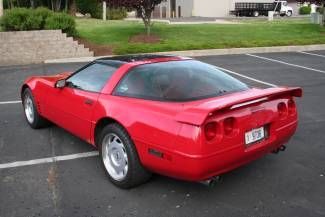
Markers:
{"x": 202, "y": 167}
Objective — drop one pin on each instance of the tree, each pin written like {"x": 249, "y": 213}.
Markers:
{"x": 144, "y": 9}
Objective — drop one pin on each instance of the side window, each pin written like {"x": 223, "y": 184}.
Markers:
{"x": 138, "y": 83}
{"x": 93, "y": 78}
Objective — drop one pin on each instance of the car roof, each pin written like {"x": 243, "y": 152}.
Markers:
{"x": 121, "y": 60}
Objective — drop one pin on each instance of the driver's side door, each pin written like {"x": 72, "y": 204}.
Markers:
{"x": 71, "y": 106}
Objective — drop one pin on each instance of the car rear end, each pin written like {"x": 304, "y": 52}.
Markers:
{"x": 239, "y": 130}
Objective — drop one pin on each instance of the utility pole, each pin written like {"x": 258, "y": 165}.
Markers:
{"x": 1, "y": 8}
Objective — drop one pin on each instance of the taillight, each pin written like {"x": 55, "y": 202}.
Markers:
{"x": 210, "y": 130}
{"x": 292, "y": 108}
{"x": 229, "y": 126}
{"x": 282, "y": 109}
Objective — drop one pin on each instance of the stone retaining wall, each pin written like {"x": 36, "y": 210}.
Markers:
{"x": 26, "y": 47}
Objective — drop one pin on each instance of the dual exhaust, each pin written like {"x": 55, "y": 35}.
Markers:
{"x": 281, "y": 148}
{"x": 214, "y": 180}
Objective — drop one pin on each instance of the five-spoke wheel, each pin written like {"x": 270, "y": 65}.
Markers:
{"x": 120, "y": 158}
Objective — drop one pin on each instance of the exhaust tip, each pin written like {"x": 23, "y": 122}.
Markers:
{"x": 211, "y": 182}
{"x": 281, "y": 148}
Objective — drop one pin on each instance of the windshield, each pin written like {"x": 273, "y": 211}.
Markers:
{"x": 177, "y": 81}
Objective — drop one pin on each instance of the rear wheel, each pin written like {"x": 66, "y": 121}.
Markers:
{"x": 120, "y": 158}
{"x": 289, "y": 13}
{"x": 34, "y": 119}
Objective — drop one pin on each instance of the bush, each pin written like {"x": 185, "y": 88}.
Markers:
{"x": 61, "y": 21}
{"x": 92, "y": 7}
{"x": 304, "y": 10}
{"x": 117, "y": 13}
{"x": 44, "y": 13}
{"x": 20, "y": 19}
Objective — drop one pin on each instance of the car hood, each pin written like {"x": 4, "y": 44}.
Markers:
{"x": 49, "y": 79}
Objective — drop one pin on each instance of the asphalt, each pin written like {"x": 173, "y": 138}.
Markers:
{"x": 289, "y": 184}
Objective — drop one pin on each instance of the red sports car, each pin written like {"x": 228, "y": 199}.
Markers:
{"x": 165, "y": 114}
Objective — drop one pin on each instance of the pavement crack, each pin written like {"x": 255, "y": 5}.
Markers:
{"x": 53, "y": 175}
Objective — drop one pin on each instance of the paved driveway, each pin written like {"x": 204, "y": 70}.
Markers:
{"x": 289, "y": 184}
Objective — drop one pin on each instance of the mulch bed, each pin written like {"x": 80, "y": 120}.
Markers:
{"x": 144, "y": 38}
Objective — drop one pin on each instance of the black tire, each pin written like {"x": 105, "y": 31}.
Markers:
{"x": 289, "y": 14}
{"x": 136, "y": 174}
{"x": 38, "y": 121}
{"x": 256, "y": 14}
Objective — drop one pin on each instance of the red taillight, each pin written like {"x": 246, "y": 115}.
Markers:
{"x": 210, "y": 130}
{"x": 229, "y": 126}
{"x": 292, "y": 108}
{"x": 282, "y": 109}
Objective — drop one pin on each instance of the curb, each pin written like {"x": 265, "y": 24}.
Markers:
{"x": 210, "y": 52}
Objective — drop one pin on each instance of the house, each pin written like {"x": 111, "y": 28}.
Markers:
{"x": 201, "y": 8}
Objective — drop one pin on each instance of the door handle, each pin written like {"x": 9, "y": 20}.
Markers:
{"x": 88, "y": 102}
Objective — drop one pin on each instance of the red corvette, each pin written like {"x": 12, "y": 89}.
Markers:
{"x": 170, "y": 115}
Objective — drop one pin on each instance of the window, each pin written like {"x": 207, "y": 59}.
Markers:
{"x": 92, "y": 78}
{"x": 177, "y": 81}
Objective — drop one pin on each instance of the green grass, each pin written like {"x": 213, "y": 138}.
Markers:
{"x": 206, "y": 36}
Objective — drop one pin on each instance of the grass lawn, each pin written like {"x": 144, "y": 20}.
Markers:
{"x": 204, "y": 36}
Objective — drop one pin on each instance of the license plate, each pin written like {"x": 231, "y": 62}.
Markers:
{"x": 254, "y": 135}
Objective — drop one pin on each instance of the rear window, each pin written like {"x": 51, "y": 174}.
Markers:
{"x": 177, "y": 81}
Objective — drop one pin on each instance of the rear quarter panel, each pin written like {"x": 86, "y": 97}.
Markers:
{"x": 149, "y": 123}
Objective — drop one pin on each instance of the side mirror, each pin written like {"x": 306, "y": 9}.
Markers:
{"x": 60, "y": 84}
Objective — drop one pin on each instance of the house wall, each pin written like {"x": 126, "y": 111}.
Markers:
{"x": 211, "y": 8}
{"x": 186, "y": 8}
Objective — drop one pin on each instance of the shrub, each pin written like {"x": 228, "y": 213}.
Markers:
{"x": 44, "y": 13}
{"x": 61, "y": 21}
{"x": 304, "y": 10}
{"x": 117, "y": 13}
{"x": 19, "y": 19}
{"x": 93, "y": 7}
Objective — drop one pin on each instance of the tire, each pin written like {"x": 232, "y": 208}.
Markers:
{"x": 256, "y": 14}
{"x": 120, "y": 159}
{"x": 289, "y": 13}
{"x": 33, "y": 118}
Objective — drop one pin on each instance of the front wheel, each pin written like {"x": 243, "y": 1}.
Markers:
{"x": 120, "y": 158}
{"x": 34, "y": 119}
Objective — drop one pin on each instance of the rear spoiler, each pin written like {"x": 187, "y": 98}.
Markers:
{"x": 196, "y": 115}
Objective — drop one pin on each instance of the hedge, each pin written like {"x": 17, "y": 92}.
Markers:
{"x": 23, "y": 19}
{"x": 61, "y": 21}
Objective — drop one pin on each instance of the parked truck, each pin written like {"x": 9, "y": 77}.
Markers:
{"x": 256, "y": 9}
